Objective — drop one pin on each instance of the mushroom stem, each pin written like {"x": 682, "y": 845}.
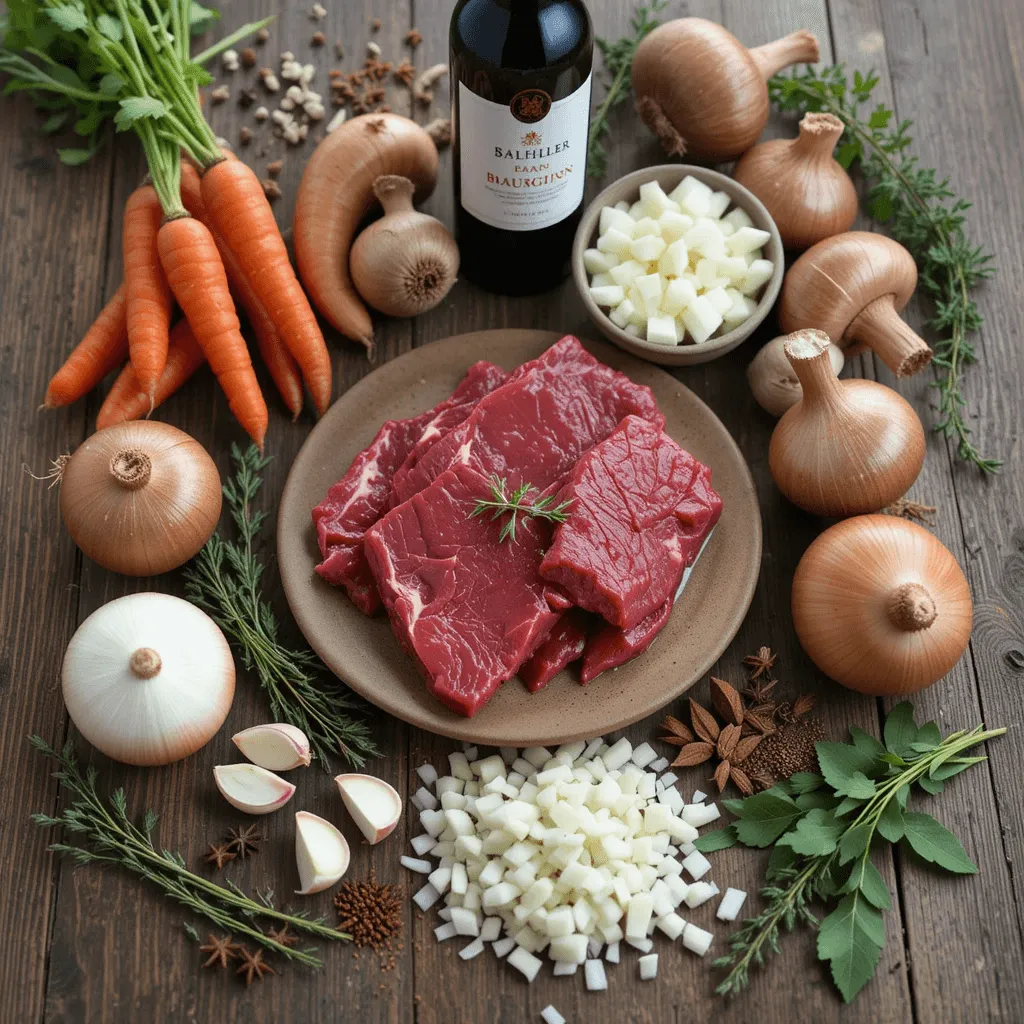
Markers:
{"x": 799, "y": 47}
{"x": 879, "y": 327}
{"x": 818, "y": 136}
{"x": 910, "y": 608}
{"x": 145, "y": 663}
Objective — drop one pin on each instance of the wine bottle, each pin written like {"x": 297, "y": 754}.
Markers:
{"x": 520, "y": 79}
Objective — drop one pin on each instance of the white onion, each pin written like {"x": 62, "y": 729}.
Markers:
{"x": 148, "y": 679}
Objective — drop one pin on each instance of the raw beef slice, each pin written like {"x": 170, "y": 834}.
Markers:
{"x": 536, "y": 426}
{"x": 467, "y": 607}
{"x": 363, "y": 494}
{"x": 611, "y": 646}
{"x": 641, "y": 509}
{"x": 563, "y": 647}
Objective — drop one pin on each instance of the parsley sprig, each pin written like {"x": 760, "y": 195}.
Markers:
{"x": 822, "y": 830}
{"x": 514, "y": 504}
{"x": 920, "y": 211}
{"x": 107, "y": 835}
{"x": 224, "y": 578}
{"x": 618, "y": 61}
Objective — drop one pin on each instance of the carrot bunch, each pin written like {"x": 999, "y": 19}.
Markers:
{"x": 202, "y": 240}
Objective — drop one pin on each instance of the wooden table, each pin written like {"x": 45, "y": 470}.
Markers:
{"x": 86, "y": 945}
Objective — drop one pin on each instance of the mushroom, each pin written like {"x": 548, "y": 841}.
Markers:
{"x": 852, "y": 286}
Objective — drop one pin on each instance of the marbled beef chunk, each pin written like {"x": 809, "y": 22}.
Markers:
{"x": 611, "y": 646}
{"x": 363, "y": 494}
{"x": 467, "y": 607}
{"x": 536, "y": 426}
{"x": 641, "y": 509}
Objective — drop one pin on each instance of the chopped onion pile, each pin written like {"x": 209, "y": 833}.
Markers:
{"x": 567, "y": 853}
{"x": 677, "y": 267}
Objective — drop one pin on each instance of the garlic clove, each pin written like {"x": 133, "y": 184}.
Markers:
{"x": 321, "y": 853}
{"x": 373, "y": 804}
{"x": 277, "y": 746}
{"x": 252, "y": 789}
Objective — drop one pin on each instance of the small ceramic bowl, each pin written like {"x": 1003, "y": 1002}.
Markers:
{"x": 668, "y": 176}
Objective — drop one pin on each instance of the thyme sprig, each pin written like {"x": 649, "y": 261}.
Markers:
{"x": 618, "y": 61}
{"x": 823, "y": 829}
{"x": 502, "y": 502}
{"x": 109, "y": 836}
{"x": 224, "y": 578}
{"x": 921, "y": 212}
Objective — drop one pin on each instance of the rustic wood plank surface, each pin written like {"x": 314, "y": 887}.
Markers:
{"x": 82, "y": 945}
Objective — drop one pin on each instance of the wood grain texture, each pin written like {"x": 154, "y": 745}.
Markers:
{"x": 115, "y": 952}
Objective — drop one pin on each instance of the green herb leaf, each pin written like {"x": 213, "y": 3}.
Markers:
{"x": 54, "y": 122}
{"x": 75, "y": 157}
{"x": 851, "y": 939}
{"x": 201, "y": 19}
{"x": 954, "y": 766}
{"x": 816, "y": 834}
{"x": 720, "y": 839}
{"x": 70, "y": 17}
{"x": 846, "y": 805}
{"x": 111, "y": 84}
{"x": 135, "y": 108}
{"x": 805, "y": 782}
{"x": 890, "y": 822}
{"x": 817, "y": 798}
{"x": 932, "y": 786}
{"x": 110, "y": 27}
{"x": 854, "y": 842}
{"x": 845, "y": 768}
{"x": 766, "y": 816}
{"x": 866, "y": 878}
{"x": 866, "y": 743}
{"x": 936, "y": 844}
{"x": 900, "y": 730}
{"x": 780, "y": 861}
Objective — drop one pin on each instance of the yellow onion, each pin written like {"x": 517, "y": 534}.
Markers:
{"x": 881, "y": 606}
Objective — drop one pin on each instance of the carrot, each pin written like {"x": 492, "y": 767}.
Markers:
{"x": 128, "y": 399}
{"x": 147, "y": 293}
{"x": 240, "y": 213}
{"x": 279, "y": 361}
{"x": 196, "y": 275}
{"x": 104, "y": 348}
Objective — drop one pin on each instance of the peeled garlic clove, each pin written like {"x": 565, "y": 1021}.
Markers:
{"x": 373, "y": 804}
{"x": 278, "y": 746}
{"x": 252, "y": 789}
{"x": 321, "y": 853}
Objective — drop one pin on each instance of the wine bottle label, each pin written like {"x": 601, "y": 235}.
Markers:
{"x": 523, "y": 163}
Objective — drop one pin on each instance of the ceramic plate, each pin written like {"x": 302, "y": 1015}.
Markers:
{"x": 363, "y": 651}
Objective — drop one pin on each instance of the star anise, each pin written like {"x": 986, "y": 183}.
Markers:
{"x": 760, "y": 664}
{"x": 253, "y": 965}
{"x": 282, "y": 935}
{"x": 759, "y": 691}
{"x": 245, "y": 841}
{"x": 220, "y": 854}
{"x": 679, "y": 733}
{"x": 220, "y": 950}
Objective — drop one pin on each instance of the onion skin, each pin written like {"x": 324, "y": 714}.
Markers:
{"x": 852, "y": 286}
{"x": 881, "y": 606}
{"x": 808, "y": 194}
{"x": 847, "y": 447}
{"x": 336, "y": 193}
{"x": 140, "y": 498}
{"x": 772, "y": 380}
{"x": 703, "y": 92}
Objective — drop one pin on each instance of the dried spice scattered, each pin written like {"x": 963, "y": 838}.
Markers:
{"x": 282, "y": 935}
{"x": 245, "y": 841}
{"x": 413, "y": 38}
{"x": 375, "y": 25}
{"x": 372, "y": 914}
{"x": 317, "y": 39}
{"x": 405, "y": 72}
{"x": 271, "y": 189}
{"x": 727, "y": 701}
{"x": 262, "y": 36}
{"x": 788, "y": 750}
{"x": 220, "y": 854}
{"x": 244, "y": 135}
{"x": 912, "y": 510}
{"x": 247, "y": 97}
{"x": 253, "y": 965}
{"x": 679, "y": 733}
{"x": 221, "y": 951}
{"x": 274, "y": 168}
{"x": 760, "y": 663}
{"x": 248, "y": 57}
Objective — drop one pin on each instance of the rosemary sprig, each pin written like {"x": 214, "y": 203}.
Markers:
{"x": 503, "y": 503}
{"x": 618, "y": 60}
{"x": 224, "y": 578}
{"x": 921, "y": 212}
{"x": 823, "y": 828}
{"x": 109, "y": 836}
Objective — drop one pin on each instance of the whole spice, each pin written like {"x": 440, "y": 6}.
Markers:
{"x": 760, "y": 664}
{"x": 225, "y": 580}
{"x": 718, "y": 107}
{"x": 881, "y": 606}
{"x": 219, "y": 855}
{"x": 220, "y": 951}
{"x": 140, "y": 498}
{"x": 921, "y": 211}
{"x": 371, "y": 913}
{"x": 808, "y": 193}
{"x": 822, "y": 829}
{"x": 852, "y": 286}
{"x": 108, "y": 835}
{"x": 406, "y": 262}
{"x": 618, "y": 60}
{"x": 336, "y": 193}
{"x": 846, "y": 447}
{"x": 148, "y": 679}
{"x": 253, "y": 965}
{"x": 245, "y": 840}
{"x": 772, "y": 381}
